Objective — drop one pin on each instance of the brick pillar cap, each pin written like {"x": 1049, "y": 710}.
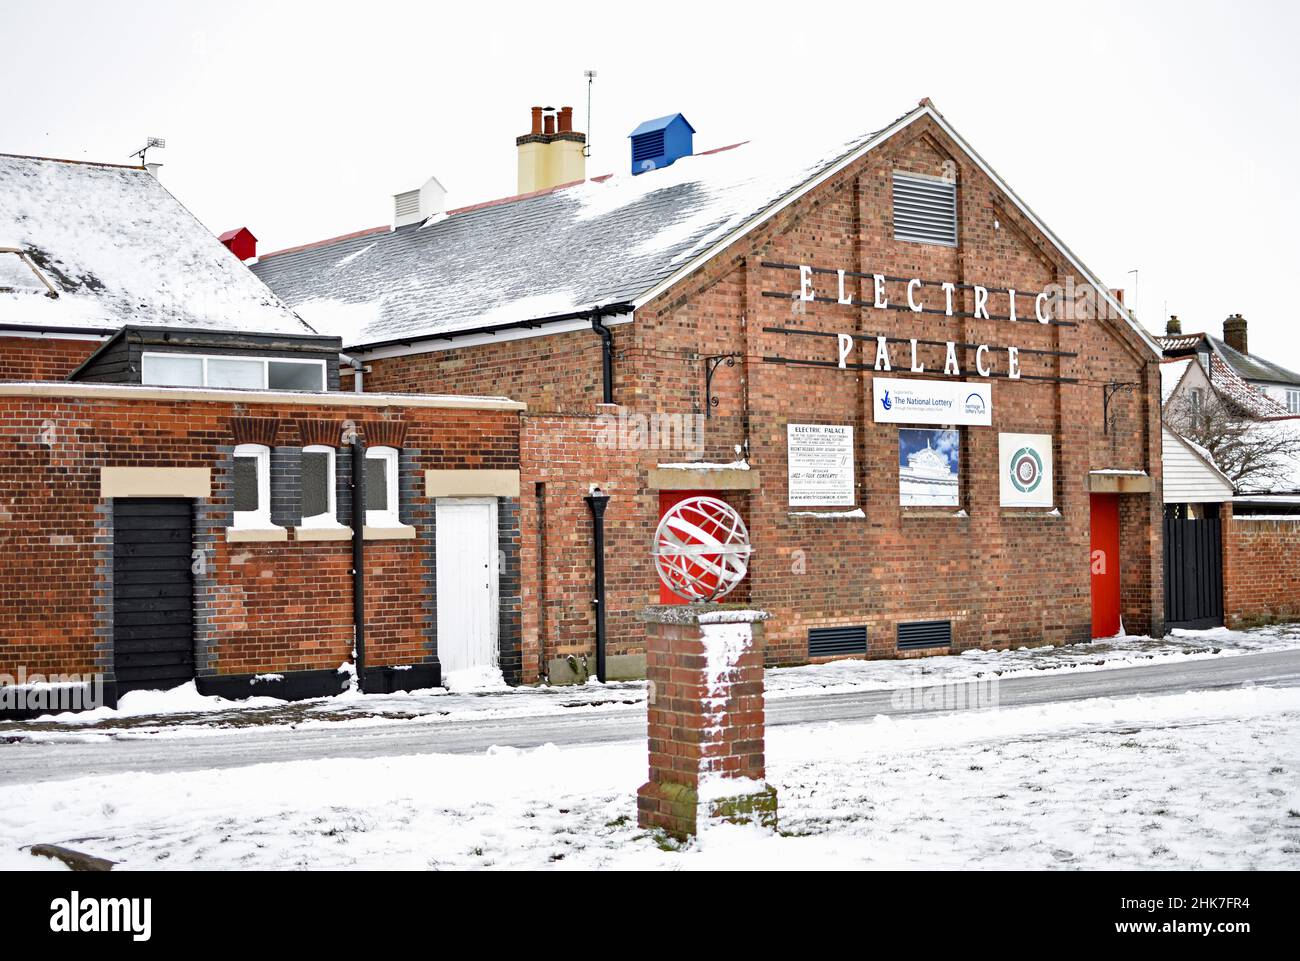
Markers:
{"x": 702, "y": 614}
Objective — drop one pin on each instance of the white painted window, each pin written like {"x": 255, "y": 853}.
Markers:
{"x": 381, "y": 487}
{"x": 251, "y": 487}
{"x": 247, "y": 373}
{"x": 319, "y": 507}
{"x": 1197, "y": 399}
{"x": 1293, "y": 401}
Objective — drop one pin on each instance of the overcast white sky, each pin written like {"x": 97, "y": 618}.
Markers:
{"x": 1156, "y": 136}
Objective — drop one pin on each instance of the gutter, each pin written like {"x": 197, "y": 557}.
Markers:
{"x": 608, "y": 310}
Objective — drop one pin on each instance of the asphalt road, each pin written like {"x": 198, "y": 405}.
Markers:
{"x": 27, "y": 763}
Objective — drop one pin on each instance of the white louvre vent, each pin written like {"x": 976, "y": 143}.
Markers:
{"x": 406, "y": 207}
{"x": 925, "y": 210}
{"x": 417, "y": 206}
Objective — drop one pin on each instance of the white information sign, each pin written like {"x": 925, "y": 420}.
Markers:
{"x": 899, "y": 401}
{"x": 819, "y": 460}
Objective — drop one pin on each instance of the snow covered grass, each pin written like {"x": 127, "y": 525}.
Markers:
{"x": 1198, "y": 780}
{"x": 482, "y": 695}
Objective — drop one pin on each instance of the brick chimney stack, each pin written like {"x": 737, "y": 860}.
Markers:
{"x": 1234, "y": 333}
{"x": 1173, "y": 326}
{"x": 550, "y": 154}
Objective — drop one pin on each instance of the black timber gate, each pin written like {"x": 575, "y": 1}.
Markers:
{"x": 153, "y": 593}
{"x": 1193, "y": 572}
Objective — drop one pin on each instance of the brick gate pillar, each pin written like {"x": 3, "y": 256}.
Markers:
{"x": 704, "y": 664}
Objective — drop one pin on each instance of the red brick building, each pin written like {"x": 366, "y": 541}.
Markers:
{"x": 185, "y": 494}
{"x": 710, "y": 309}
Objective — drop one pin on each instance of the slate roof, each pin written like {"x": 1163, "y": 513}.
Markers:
{"x": 1252, "y": 367}
{"x": 600, "y": 243}
{"x": 119, "y": 249}
{"x": 1248, "y": 366}
{"x": 1230, "y": 384}
{"x": 606, "y": 242}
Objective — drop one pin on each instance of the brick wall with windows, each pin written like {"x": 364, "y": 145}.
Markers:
{"x": 259, "y": 607}
{"x": 1002, "y": 576}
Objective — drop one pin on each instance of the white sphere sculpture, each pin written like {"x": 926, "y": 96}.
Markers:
{"x": 701, "y": 549}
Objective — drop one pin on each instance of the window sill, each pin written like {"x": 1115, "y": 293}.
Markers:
{"x": 1049, "y": 513}
{"x": 399, "y": 532}
{"x": 250, "y": 535}
{"x": 936, "y": 513}
{"x": 322, "y": 533}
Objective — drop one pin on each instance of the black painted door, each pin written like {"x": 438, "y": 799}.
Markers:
{"x": 1193, "y": 573}
{"x": 153, "y": 593}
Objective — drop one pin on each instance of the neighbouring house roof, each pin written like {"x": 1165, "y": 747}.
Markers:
{"x": 1231, "y": 386}
{"x": 1252, "y": 367}
{"x": 117, "y": 248}
{"x": 615, "y": 241}
{"x": 1247, "y": 366}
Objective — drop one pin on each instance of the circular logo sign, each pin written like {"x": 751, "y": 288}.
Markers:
{"x": 1026, "y": 470}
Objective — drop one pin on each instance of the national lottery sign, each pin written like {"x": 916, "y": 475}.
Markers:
{"x": 1025, "y": 469}
{"x": 898, "y": 401}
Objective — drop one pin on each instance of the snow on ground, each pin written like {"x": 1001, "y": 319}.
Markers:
{"x": 1106, "y": 653}
{"x": 1191, "y": 781}
{"x": 482, "y": 695}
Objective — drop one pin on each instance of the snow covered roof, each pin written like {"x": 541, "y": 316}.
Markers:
{"x": 541, "y": 256}
{"x": 119, "y": 249}
{"x": 1252, "y": 366}
{"x": 1230, "y": 385}
{"x": 609, "y": 242}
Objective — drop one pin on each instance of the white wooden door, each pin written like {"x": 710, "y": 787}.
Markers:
{"x": 467, "y": 582}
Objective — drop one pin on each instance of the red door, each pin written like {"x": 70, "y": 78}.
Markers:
{"x": 1105, "y": 565}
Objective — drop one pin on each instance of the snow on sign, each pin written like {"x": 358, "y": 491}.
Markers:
{"x": 1025, "y": 470}
{"x": 898, "y": 401}
{"x": 819, "y": 459}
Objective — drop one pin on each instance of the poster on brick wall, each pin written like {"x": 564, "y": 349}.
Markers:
{"x": 819, "y": 463}
{"x": 1025, "y": 469}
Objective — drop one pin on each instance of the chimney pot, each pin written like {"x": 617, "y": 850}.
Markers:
{"x": 548, "y": 124}
{"x": 1173, "y": 326}
{"x": 537, "y": 120}
{"x": 566, "y": 119}
{"x": 1234, "y": 333}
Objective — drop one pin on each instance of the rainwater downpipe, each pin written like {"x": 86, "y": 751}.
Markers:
{"x": 606, "y": 357}
{"x": 358, "y": 372}
{"x": 359, "y": 558}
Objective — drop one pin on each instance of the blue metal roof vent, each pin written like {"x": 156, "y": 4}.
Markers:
{"x": 657, "y": 143}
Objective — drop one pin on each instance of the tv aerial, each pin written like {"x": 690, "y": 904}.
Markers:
{"x": 152, "y": 142}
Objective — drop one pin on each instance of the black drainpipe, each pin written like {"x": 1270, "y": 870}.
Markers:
{"x": 607, "y": 356}
{"x": 359, "y": 558}
{"x": 598, "y": 501}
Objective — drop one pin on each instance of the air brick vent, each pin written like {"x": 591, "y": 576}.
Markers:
{"x": 916, "y": 635}
{"x": 832, "y": 641}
